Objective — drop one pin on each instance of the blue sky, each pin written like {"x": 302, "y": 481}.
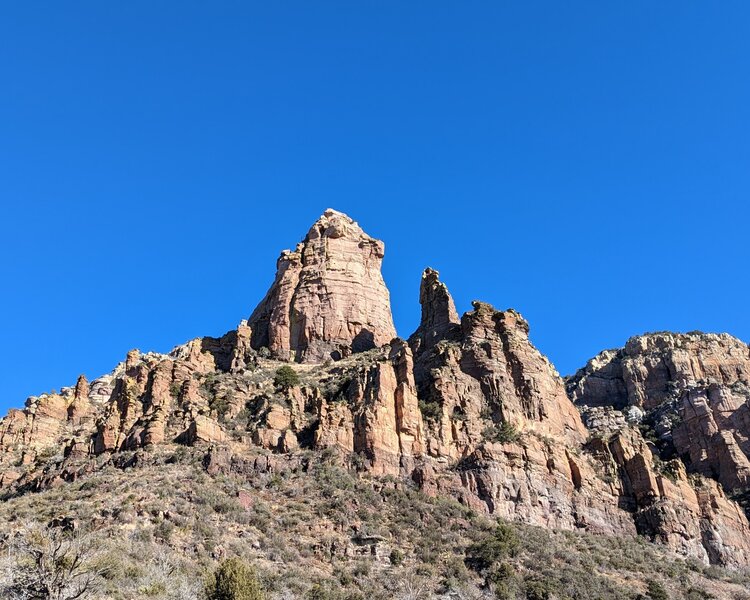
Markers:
{"x": 586, "y": 163}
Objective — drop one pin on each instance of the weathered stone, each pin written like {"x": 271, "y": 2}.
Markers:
{"x": 469, "y": 408}
{"x": 694, "y": 519}
{"x": 328, "y": 298}
{"x": 381, "y": 418}
{"x": 206, "y": 430}
{"x": 241, "y": 347}
{"x": 50, "y": 413}
{"x": 439, "y": 320}
{"x": 694, "y": 387}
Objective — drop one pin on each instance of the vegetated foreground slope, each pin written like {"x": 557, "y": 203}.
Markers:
{"x": 310, "y": 416}
{"x": 162, "y": 517}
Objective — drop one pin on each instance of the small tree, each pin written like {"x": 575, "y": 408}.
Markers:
{"x": 233, "y": 579}
{"x": 286, "y": 377}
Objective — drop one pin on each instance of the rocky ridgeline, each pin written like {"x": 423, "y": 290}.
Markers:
{"x": 468, "y": 407}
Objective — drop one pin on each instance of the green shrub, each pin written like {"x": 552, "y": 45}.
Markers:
{"x": 538, "y": 589}
{"x": 285, "y": 377}
{"x": 220, "y": 405}
{"x": 431, "y": 410}
{"x": 327, "y": 590}
{"x": 501, "y": 543}
{"x": 397, "y": 557}
{"x": 503, "y": 433}
{"x": 504, "y": 581}
{"x": 233, "y": 580}
{"x": 656, "y": 590}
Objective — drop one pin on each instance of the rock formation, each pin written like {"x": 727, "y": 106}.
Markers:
{"x": 328, "y": 299}
{"x": 440, "y": 320}
{"x": 468, "y": 408}
{"x": 693, "y": 391}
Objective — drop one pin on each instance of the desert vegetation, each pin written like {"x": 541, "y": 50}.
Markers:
{"x": 164, "y": 528}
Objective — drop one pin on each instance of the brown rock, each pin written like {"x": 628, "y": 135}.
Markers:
{"x": 469, "y": 408}
{"x": 695, "y": 386}
{"x": 648, "y": 370}
{"x": 439, "y": 317}
{"x": 81, "y": 389}
{"x": 329, "y": 297}
{"x": 388, "y": 426}
{"x": 241, "y": 347}
{"x": 276, "y": 420}
{"x": 49, "y": 416}
{"x": 694, "y": 519}
{"x": 80, "y": 409}
{"x": 492, "y": 375}
{"x": 206, "y": 430}
{"x": 380, "y": 419}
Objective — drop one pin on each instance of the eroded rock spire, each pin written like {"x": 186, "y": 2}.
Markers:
{"x": 329, "y": 298}
{"x": 439, "y": 317}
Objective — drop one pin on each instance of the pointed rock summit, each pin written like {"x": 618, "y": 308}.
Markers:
{"x": 329, "y": 298}
{"x": 439, "y": 317}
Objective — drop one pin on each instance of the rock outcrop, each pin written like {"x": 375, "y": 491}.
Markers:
{"x": 376, "y": 414}
{"x": 328, "y": 299}
{"x": 486, "y": 377}
{"x": 693, "y": 390}
{"x": 439, "y": 320}
{"x": 692, "y": 516}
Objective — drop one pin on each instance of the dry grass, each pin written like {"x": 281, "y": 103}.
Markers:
{"x": 313, "y": 529}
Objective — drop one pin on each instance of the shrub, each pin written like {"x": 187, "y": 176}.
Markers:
{"x": 431, "y": 410}
{"x": 504, "y": 581}
{"x": 220, "y": 405}
{"x": 503, "y": 433}
{"x": 656, "y": 590}
{"x": 327, "y": 590}
{"x": 397, "y": 557}
{"x": 538, "y": 589}
{"x": 52, "y": 563}
{"x": 286, "y": 377}
{"x": 501, "y": 543}
{"x": 233, "y": 579}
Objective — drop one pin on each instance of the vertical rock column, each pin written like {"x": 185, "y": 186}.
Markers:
{"x": 328, "y": 299}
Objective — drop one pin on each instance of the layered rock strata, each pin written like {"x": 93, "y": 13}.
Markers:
{"x": 328, "y": 299}
{"x": 693, "y": 391}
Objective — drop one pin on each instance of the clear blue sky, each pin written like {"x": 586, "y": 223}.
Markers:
{"x": 586, "y": 163}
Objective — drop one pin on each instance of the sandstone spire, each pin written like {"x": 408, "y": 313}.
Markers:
{"x": 439, "y": 317}
{"x": 329, "y": 298}
{"x": 82, "y": 388}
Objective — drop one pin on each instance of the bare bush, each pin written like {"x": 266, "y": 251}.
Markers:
{"x": 48, "y": 563}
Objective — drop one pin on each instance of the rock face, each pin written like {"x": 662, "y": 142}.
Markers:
{"x": 468, "y": 408}
{"x": 486, "y": 376}
{"x": 380, "y": 418}
{"x": 692, "y": 516}
{"x": 328, "y": 299}
{"x": 694, "y": 391}
{"x": 440, "y": 320}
